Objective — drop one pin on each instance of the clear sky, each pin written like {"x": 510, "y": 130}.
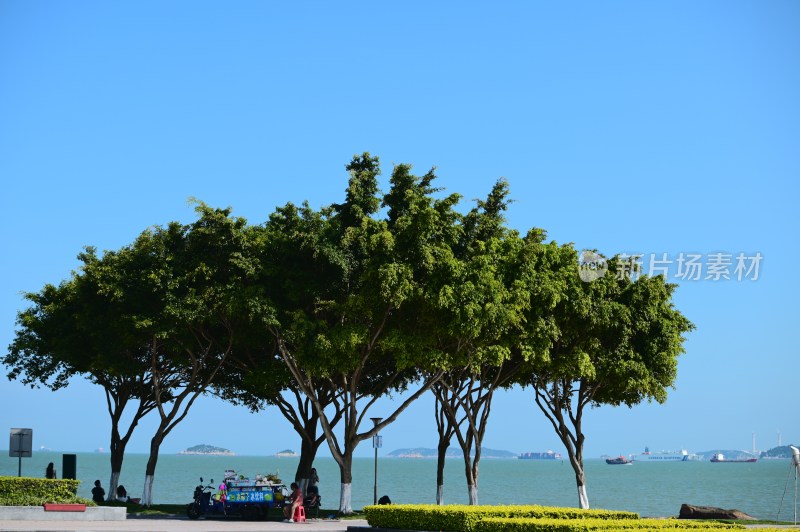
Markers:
{"x": 635, "y": 127}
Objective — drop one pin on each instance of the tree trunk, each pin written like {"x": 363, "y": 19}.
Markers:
{"x": 346, "y": 476}
{"x": 117, "y": 450}
{"x": 472, "y": 480}
{"x": 147, "y": 492}
{"x": 117, "y": 455}
{"x": 347, "y": 406}
{"x": 440, "y": 461}
{"x": 583, "y": 499}
{"x": 345, "y": 498}
{"x": 307, "y": 455}
{"x": 473, "y": 397}
{"x": 150, "y": 471}
{"x": 445, "y": 428}
{"x": 304, "y": 418}
{"x": 112, "y": 486}
{"x": 308, "y": 452}
{"x": 118, "y": 394}
{"x": 553, "y": 407}
{"x": 576, "y": 460}
{"x": 302, "y": 483}
{"x": 473, "y": 493}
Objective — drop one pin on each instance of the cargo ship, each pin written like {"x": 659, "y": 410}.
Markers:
{"x": 664, "y": 456}
{"x": 548, "y": 455}
{"x": 719, "y": 457}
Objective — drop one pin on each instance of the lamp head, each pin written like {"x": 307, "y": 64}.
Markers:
{"x": 795, "y": 455}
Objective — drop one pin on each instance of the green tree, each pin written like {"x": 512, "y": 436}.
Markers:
{"x": 72, "y": 329}
{"x": 184, "y": 288}
{"x": 202, "y": 277}
{"x": 480, "y": 307}
{"x": 344, "y": 288}
{"x": 612, "y": 341}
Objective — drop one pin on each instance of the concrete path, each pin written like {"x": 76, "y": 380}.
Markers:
{"x": 179, "y": 524}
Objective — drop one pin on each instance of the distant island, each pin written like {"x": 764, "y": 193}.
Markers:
{"x": 286, "y": 453}
{"x": 452, "y": 452}
{"x": 208, "y": 449}
{"x": 778, "y": 452}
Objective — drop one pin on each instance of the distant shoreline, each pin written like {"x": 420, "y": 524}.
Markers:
{"x": 209, "y": 453}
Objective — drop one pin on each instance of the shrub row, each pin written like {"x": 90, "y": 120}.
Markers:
{"x": 25, "y": 491}
{"x": 463, "y": 518}
{"x": 494, "y": 524}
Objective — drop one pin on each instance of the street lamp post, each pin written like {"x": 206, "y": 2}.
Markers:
{"x": 19, "y": 453}
{"x": 376, "y": 444}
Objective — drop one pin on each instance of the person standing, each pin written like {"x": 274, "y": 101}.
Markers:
{"x": 98, "y": 493}
{"x": 50, "y": 472}
{"x": 313, "y": 482}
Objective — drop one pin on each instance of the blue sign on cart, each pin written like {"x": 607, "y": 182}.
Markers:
{"x": 250, "y": 496}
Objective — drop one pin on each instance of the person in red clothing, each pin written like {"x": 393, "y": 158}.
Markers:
{"x": 296, "y": 499}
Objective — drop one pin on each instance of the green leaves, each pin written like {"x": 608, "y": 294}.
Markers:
{"x": 619, "y": 338}
{"x": 396, "y": 283}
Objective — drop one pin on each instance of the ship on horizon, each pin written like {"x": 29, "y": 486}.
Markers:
{"x": 719, "y": 458}
{"x": 547, "y": 455}
{"x": 663, "y": 456}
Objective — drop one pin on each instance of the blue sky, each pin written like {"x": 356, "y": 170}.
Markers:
{"x": 660, "y": 127}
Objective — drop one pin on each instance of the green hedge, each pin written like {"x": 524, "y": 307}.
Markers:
{"x": 591, "y": 524}
{"x": 24, "y": 491}
{"x": 462, "y": 518}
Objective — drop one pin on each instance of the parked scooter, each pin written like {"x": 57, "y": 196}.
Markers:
{"x": 202, "y": 503}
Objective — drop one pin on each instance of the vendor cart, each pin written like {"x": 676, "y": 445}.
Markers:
{"x": 253, "y": 498}
{"x": 241, "y": 497}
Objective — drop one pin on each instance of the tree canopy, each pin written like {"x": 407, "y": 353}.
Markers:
{"x": 322, "y": 312}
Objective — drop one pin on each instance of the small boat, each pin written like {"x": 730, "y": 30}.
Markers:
{"x": 619, "y": 460}
{"x": 719, "y": 457}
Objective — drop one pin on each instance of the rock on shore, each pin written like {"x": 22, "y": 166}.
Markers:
{"x": 689, "y": 511}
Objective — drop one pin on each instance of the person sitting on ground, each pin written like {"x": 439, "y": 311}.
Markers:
{"x": 311, "y": 500}
{"x": 98, "y": 493}
{"x": 295, "y": 499}
{"x": 122, "y": 493}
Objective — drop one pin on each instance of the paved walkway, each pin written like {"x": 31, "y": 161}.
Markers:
{"x": 179, "y": 524}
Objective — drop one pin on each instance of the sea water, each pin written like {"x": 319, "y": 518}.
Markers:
{"x": 758, "y": 489}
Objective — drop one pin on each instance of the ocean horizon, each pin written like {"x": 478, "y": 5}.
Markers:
{"x": 653, "y": 490}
